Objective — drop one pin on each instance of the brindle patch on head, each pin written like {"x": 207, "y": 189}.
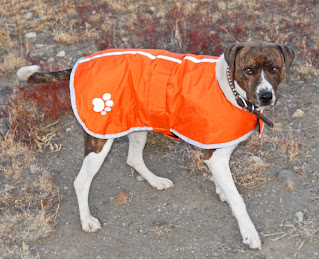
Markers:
{"x": 92, "y": 144}
{"x": 258, "y": 57}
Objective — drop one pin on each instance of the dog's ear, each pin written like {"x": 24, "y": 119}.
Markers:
{"x": 288, "y": 53}
{"x": 230, "y": 55}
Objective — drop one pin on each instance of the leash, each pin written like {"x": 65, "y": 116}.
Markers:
{"x": 244, "y": 104}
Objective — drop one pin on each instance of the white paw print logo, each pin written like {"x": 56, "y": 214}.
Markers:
{"x": 99, "y": 104}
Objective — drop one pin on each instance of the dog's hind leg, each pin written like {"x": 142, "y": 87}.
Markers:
{"x": 219, "y": 166}
{"x": 207, "y": 154}
{"x": 135, "y": 160}
{"x": 95, "y": 152}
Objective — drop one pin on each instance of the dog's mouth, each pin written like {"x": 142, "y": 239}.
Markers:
{"x": 264, "y": 99}
{"x": 261, "y": 105}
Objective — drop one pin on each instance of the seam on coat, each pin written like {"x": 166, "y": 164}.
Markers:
{"x": 212, "y": 146}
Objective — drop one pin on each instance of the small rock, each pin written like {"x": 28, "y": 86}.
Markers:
{"x": 299, "y": 216}
{"x": 122, "y": 197}
{"x": 30, "y": 35}
{"x": 46, "y": 174}
{"x": 4, "y": 126}
{"x": 140, "y": 178}
{"x": 298, "y": 113}
{"x": 287, "y": 179}
{"x": 298, "y": 170}
{"x": 279, "y": 127}
{"x": 51, "y": 59}
{"x": 28, "y": 15}
{"x": 25, "y": 246}
{"x": 61, "y": 54}
{"x": 256, "y": 159}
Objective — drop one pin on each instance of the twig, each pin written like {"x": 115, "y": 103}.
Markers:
{"x": 273, "y": 234}
{"x": 50, "y": 125}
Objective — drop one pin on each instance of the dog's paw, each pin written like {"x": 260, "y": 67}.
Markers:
{"x": 161, "y": 183}
{"x": 251, "y": 238}
{"x": 90, "y": 224}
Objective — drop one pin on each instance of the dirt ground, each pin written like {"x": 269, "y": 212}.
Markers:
{"x": 188, "y": 220}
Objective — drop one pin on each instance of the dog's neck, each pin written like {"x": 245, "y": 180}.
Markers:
{"x": 221, "y": 75}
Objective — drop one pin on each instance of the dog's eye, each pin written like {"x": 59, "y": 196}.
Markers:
{"x": 275, "y": 70}
{"x": 248, "y": 71}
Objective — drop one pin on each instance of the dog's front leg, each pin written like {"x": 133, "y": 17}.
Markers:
{"x": 219, "y": 166}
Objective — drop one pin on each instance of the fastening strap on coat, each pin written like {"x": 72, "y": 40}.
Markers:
{"x": 159, "y": 117}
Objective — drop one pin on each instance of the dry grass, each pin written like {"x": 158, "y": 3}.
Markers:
{"x": 4, "y": 40}
{"x": 196, "y": 164}
{"x": 302, "y": 233}
{"x": 70, "y": 36}
{"x": 31, "y": 111}
{"x": 28, "y": 200}
{"x": 184, "y": 26}
{"x": 161, "y": 229}
{"x": 284, "y": 146}
{"x": 316, "y": 200}
{"x": 279, "y": 147}
{"x": 11, "y": 63}
{"x": 250, "y": 174}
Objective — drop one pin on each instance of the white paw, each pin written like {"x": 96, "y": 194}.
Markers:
{"x": 90, "y": 224}
{"x": 251, "y": 238}
{"x": 161, "y": 183}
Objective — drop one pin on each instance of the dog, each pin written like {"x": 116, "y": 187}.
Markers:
{"x": 165, "y": 102}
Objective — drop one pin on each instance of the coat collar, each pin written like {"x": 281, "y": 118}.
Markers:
{"x": 221, "y": 75}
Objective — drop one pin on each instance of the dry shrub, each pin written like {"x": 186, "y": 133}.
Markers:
{"x": 245, "y": 171}
{"x": 302, "y": 233}
{"x": 34, "y": 106}
{"x": 70, "y": 36}
{"x": 197, "y": 165}
{"x": 4, "y": 39}
{"x": 288, "y": 143}
{"x": 28, "y": 198}
{"x": 283, "y": 146}
{"x": 248, "y": 173}
{"x": 67, "y": 37}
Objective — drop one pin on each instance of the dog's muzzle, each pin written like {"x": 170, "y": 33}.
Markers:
{"x": 265, "y": 98}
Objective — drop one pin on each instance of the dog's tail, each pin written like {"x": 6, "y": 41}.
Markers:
{"x": 31, "y": 74}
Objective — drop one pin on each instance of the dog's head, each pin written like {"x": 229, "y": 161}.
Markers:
{"x": 258, "y": 68}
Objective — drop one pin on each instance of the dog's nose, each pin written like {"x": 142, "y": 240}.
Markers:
{"x": 265, "y": 97}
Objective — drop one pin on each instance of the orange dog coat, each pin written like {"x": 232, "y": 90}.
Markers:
{"x": 117, "y": 91}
